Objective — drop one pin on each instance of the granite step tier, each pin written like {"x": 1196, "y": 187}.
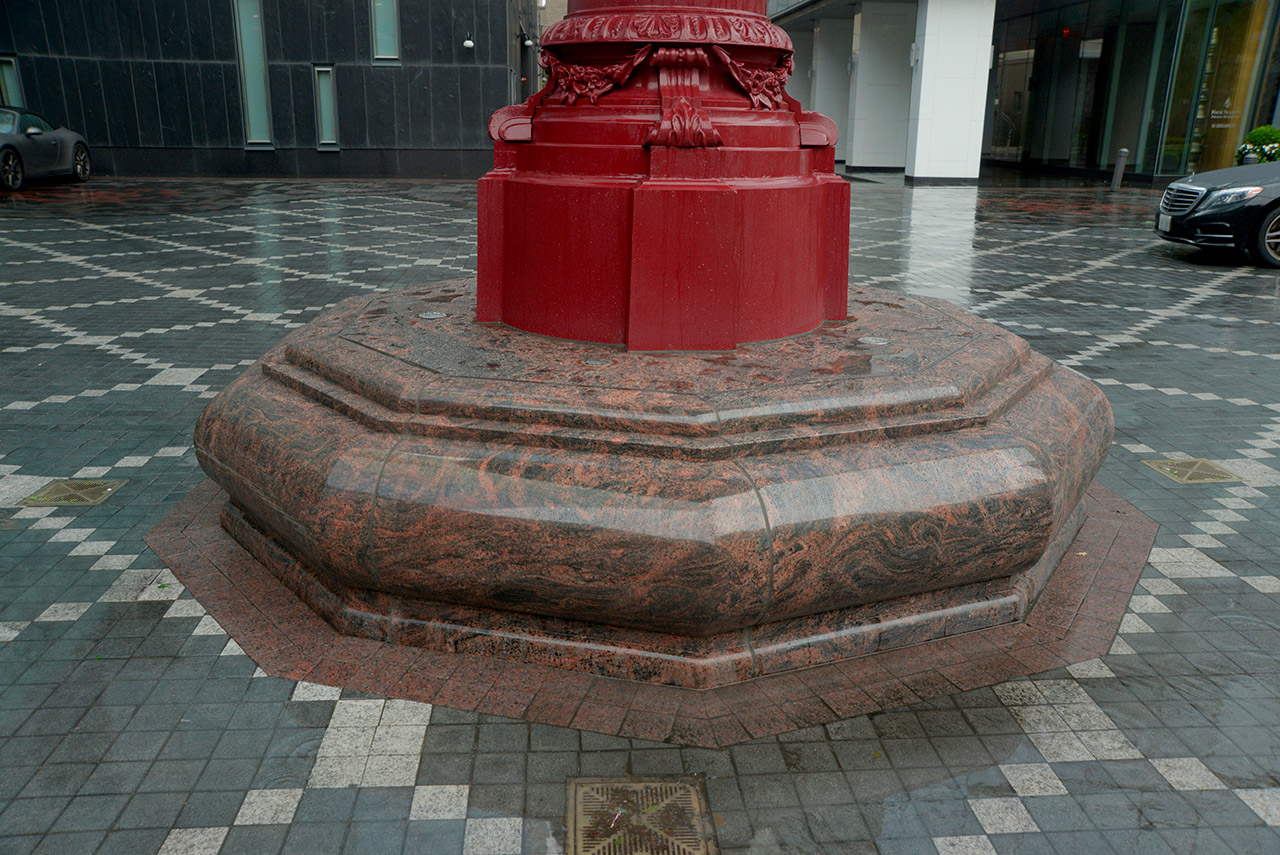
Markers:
{"x": 689, "y": 518}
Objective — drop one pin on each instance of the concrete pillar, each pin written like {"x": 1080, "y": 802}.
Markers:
{"x": 881, "y": 97}
{"x": 800, "y": 87}
{"x": 949, "y": 89}
{"x": 832, "y": 53}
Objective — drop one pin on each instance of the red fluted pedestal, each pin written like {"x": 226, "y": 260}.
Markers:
{"x": 664, "y": 197}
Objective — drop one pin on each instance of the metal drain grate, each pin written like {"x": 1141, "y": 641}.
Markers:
{"x": 639, "y": 816}
{"x": 69, "y": 492}
{"x": 1198, "y": 471}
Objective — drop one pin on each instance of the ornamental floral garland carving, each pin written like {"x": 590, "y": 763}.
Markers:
{"x": 767, "y": 87}
{"x": 571, "y": 82}
{"x": 669, "y": 27}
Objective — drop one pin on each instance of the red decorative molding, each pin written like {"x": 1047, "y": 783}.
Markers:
{"x": 765, "y": 86}
{"x": 710, "y": 28}
{"x": 571, "y": 82}
{"x": 683, "y": 123}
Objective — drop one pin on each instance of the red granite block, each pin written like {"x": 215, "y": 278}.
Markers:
{"x": 599, "y": 718}
{"x": 643, "y": 724}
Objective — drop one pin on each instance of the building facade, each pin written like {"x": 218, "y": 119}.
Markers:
{"x": 272, "y": 87}
{"x": 937, "y": 87}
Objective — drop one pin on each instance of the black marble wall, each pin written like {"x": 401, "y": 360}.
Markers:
{"x": 154, "y": 85}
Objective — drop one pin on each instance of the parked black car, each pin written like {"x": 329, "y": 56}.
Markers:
{"x": 31, "y": 147}
{"x": 1237, "y": 208}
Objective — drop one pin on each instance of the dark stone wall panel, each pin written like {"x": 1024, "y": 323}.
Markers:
{"x": 92, "y": 102}
{"x": 6, "y": 30}
{"x": 380, "y": 106}
{"x": 44, "y": 89}
{"x": 213, "y": 88}
{"x": 104, "y": 29}
{"x": 281, "y": 105}
{"x": 471, "y": 102}
{"x": 149, "y": 23}
{"x": 201, "y": 31}
{"x": 175, "y": 29}
{"x": 403, "y": 137}
{"x": 349, "y": 91}
{"x": 340, "y": 28}
{"x": 222, "y": 24}
{"x": 175, "y": 107}
{"x": 446, "y": 115}
{"x": 195, "y": 100}
{"x": 122, "y": 114}
{"x": 53, "y": 28}
{"x": 147, "y": 101}
{"x": 445, "y": 48}
{"x": 73, "y": 111}
{"x": 27, "y": 24}
{"x": 302, "y": 79}
{"x": 71, "y": 23}
{"x": 415, "y": 32}
{"x": 295, "y": 35}
{"x": 419, "y": 86}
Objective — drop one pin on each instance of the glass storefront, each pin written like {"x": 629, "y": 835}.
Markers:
{"x": 1176, "y": 82}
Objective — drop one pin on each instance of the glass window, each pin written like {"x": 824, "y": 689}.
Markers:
{"x": 8, "y": 122}
{"x": 386, "y": 29}
{"x": 31, "y": 120}
{"x": 10, "y": 86}
{"x": 253, "y": 73}
{"x": 326, "y": 115}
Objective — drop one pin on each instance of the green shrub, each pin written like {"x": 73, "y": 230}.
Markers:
{"x": 1265, "y": 135}
{"x": 1264, "y": 142}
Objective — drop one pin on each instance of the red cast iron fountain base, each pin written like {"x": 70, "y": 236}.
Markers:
{"x": 686, "y": 518}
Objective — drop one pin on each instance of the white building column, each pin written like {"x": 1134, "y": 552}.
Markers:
{"x": 832, "y": 57}
{"x": 949, "y": 89}
{"x": 881, "y": 97}
{"x": 800, "y": 87}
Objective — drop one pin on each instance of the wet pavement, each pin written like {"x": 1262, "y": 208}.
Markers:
{"x": 131, "y": 723}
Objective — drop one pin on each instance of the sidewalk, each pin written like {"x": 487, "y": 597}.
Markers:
{"x": 130, "y": 722}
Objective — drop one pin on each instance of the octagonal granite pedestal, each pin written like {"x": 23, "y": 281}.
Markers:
{"x": 687, "y": 518}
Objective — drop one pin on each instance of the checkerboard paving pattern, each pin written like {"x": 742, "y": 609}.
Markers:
{"x": 131, "y": 723}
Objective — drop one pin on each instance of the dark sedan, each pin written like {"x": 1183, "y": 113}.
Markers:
{"x": 31, "y": 147}
{"x": 1237, "y": 208}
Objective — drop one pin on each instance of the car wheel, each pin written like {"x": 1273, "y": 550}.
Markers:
{"x": 81, "y": 166}
{"x": 1266, "y": 243}
{"x": 11, "y": 170}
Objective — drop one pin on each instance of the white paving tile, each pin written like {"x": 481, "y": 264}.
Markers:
{"x": 305, "y": 691}
{"x": 493, "y": 836}
{"x": 1063, "y": 692}
{"x": 1131, "y": 623}
{"x": 1265, "y": 803}
{"x": 1265, "y": 584}
{"x": 1187, "y": 773}
{"x": 71, "y": 535}
{"x": 193, "y": 841}
{"x": 1060, "y": 747}
{"x": 337, "y": 772}
{"x": 440, "y": 801}
{"x": 63, "y": 612}
{"x": 1162, "y": 587}
{"x": 1033, "y": 779}
{"x": 1038, "y": 719}
{"x": 268, "y": 807}
{"x": 185, "y": 609}
{"x": 1145, "y": 604}
{"x": 391, "y": 770}
{"x": 1003, "y": 816}
{"x": 1019, "y": 693}
{"x": 93, "y": 547}
{"x": 1120, "y": 647}
{"x": 969, "y": 844}
{"x": 398, "y": 739}
{"x": 1090, "y": 670}
{"x": 400, "y": 712}
{"x": 208, "y": 626}
{"x": 52, "y": 522}
{"x": 114, "y": 562}
{"x": 9, "y": 629}
{"x": 232, "y": 649}
{"x": 346, "y": 742}
{"x": 361, "y": 713}
{"x": 1108, "y": 745}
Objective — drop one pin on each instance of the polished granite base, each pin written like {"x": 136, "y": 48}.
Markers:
{"x": 686, "y": 518}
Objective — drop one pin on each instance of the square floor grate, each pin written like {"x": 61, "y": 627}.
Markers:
{"x": 639, "y": 816}
{"x": 72, "y": 492}
{"x": 1197, "y": 471}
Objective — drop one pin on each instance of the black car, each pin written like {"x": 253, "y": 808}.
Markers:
{"x": 1238, "y": 208}
{"x": 31, "y": 147}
